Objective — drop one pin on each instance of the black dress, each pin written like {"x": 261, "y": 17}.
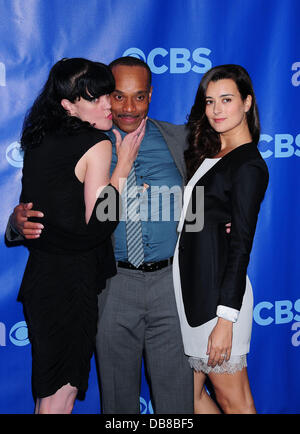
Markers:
{"x": 67, "y": 265}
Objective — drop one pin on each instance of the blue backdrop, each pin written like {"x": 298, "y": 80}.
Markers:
{"x": 180, "y": 40}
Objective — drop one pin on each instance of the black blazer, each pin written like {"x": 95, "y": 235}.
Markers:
{"x": 213, "y": 264}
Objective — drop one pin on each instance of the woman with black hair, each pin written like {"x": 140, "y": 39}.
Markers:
{"x": 66, "y": 175}
{"x": 213, "y": 293}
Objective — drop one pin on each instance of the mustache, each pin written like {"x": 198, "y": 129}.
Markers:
{"x": 127, "y": 115}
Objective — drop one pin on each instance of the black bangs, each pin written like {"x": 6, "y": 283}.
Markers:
{"x": 77, "y": 77}
{"x": 69, "y": 79}
{"x": 95, "y": 82}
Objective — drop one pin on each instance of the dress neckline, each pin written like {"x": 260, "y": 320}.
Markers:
{"x": 219, "y": 159}
{"x": 232, "y": 150}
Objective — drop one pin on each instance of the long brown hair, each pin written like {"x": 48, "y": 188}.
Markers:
{"x": 204, "y": 141}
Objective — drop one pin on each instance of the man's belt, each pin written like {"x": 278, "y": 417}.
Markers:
{"x": 146, "y": 266}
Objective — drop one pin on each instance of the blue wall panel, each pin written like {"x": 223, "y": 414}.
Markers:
{"x": 180, "y": 40}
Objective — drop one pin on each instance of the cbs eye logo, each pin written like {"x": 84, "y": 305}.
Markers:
{"x": 144, "y": 406}
{"x": 178, "y": 60}
{"x": 14, "y": 155}
{"x": 18, "y": 334}
{"x": 135, "y": 52}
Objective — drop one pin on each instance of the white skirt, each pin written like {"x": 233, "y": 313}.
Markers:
{"x": 195, "y": 339}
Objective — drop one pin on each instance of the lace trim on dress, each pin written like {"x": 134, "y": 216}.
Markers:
{"x": 233, "y": 365}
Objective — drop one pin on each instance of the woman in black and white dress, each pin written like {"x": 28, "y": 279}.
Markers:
{"x": 213, "y": 293}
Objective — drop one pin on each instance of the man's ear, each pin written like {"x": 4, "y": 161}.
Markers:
{"x": 68, "y": 106}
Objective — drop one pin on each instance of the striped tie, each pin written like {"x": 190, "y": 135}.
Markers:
{"x": 135, "y": 248}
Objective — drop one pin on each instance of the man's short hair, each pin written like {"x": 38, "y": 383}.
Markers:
{"x": 132, "y": 61}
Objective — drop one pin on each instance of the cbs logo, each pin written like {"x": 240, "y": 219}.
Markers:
{"x": 144, "y": 407}
{"x": 280, "y": 312}
{"x": 14, "y": 155}
{"x": 279, "y": 146}
{"x": 176, "y": 60}
{"x": 18, "y": 334}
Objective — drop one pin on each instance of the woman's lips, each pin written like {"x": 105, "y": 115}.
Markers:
{"x": 217, "y": 120}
